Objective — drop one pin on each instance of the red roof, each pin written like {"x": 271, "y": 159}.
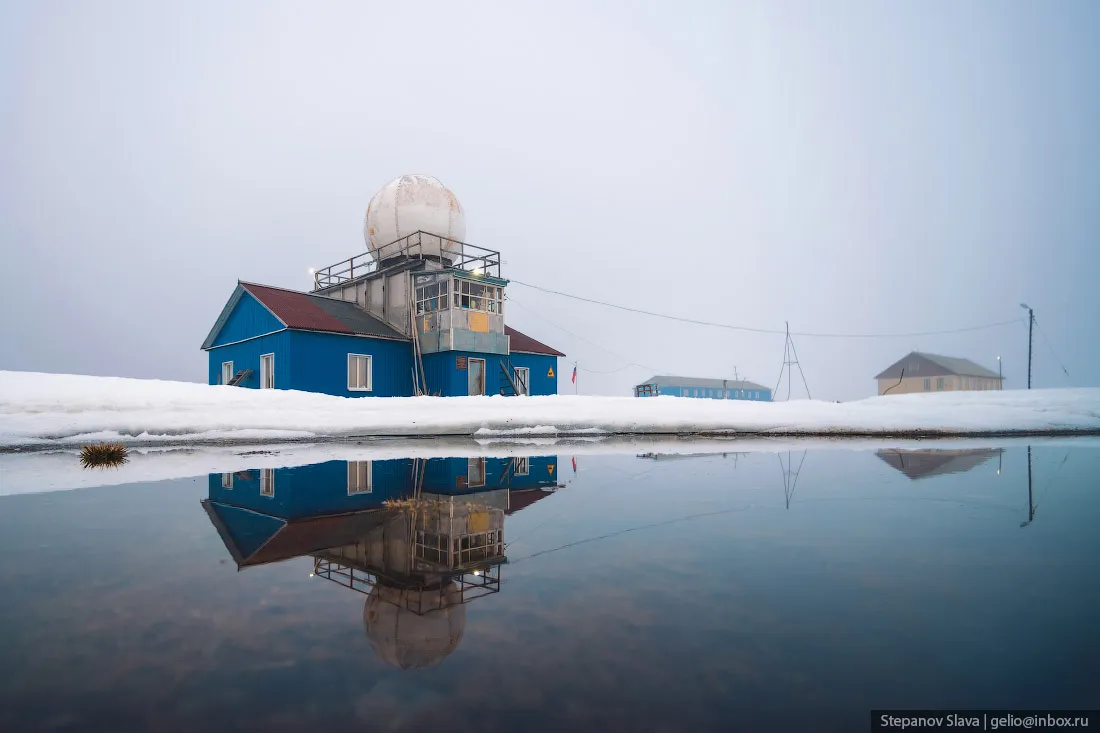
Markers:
{"x": 523, "y": 343}
{"x": 295, "y": 309}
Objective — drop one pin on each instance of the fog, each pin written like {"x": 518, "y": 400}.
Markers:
{"x": 847, "y": 167}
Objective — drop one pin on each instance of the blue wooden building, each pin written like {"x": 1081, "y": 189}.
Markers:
{"x": 710, "y": 389}
{"x": 271, "y": 514}
{"x": 267, "y": 337}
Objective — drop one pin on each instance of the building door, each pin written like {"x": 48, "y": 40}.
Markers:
{"x": 227, "y": 372}
{"x": 475, "y": 376}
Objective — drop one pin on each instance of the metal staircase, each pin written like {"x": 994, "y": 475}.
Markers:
{"x": 240, "y": 377}
{"x": 508, "y": 387}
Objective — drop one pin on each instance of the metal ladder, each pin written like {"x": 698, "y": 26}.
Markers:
{"x": 508, "y": 388}
{"x": 239, "y": 377}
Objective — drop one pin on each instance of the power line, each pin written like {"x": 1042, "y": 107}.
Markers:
{"x": 766, "y": 330}
{"x": 1047, "y": 342}
{"x": 629, "y": 362}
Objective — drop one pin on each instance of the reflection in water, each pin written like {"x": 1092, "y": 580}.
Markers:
{"x": 419, "y": 537}
{"x": 918, "y": 464}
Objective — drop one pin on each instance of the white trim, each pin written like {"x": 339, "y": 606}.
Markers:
{"x": 360, "y": 469}
{"x": 250, "y": 338}
{"x": 227, "y": 481}
{"x": 224, "y": 379}
{"x": 370, "y": 373}
{"x": 262, "y": 357}
{"x": 267, "y": 482}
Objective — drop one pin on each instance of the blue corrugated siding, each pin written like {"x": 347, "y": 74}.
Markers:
{"x": 246, "y": 355}
{"x": 451, "y": 475}
{"x": 320, "y": 364}
{"x": 540, "y": 365}
{"x": 248, "y": 319}
{"x": 316, "y": 490}
{"x": 704, "y": 393}
{"x": 447, "y": 380}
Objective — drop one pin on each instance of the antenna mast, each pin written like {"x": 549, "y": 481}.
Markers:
{"x": 790, "y": 358}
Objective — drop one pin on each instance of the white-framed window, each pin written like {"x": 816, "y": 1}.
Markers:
{"x": 267, "y": 371}
{"x": 267, "y": 482}
{"x": 523, "y": 380}
{"x": 433, "y": 297}
{"x": 521, "y": 466}
{"x": 227, "y": 372}
{"x": 360, "y": 477}
{"x": 475, "y": 472}
{"x": 359, "y": 373}
{"x": 479, "y": 296}
{"x": 939, "y": 383}
{"x": 227, "y": 481}
{"x": 927, "y": 384}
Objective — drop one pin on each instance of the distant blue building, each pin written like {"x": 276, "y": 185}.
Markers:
{"x": 711, "y": 389}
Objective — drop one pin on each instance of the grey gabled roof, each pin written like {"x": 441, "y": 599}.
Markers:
{"x": 668, "y": 381}
{"x": 919, "y": 364}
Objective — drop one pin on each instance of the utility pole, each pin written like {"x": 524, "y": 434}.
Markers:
{"x": 1000, "y": 376}
{"x": 1030, "y": 334}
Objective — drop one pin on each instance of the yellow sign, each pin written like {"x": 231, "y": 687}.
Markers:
{"x": 550, "y": 468}
{"x": 479, "y": 322}
{"x": 551, "y": 372}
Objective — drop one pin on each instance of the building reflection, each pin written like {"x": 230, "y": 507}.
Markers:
{"x": 920, "y": 464}
{"x": 420, "y": 538}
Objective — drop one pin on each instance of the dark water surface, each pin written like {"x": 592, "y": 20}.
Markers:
{"x": 720, "y": 592}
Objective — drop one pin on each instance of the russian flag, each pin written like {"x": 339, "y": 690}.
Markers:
{"x": 574, "y": 375}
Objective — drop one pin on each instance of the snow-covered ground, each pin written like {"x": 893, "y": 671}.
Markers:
{"x": 57, "y": 470}
{"x": 58, "y": 409}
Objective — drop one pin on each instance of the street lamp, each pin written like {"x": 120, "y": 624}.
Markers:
{"x": 1030, "y": 329}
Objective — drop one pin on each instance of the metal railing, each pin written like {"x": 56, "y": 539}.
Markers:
{"x": 416, "y": 246}
{"x": 419, "y": 599}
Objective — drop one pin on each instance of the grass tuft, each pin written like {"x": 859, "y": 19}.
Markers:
{"x": 104, "y": 455}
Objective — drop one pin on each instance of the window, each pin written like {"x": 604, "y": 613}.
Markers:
{"x": 475, "y": 472}
{"x": 267, "y": 371}
{"x": 360, "y": 477}
{"x": 939, "y": 383}
{"x": 227, "y": 372}
{"x": 267, "y": 482}
{"x": 227, "y": 481}
{"x": 359, "y": 373}
{"x": 478, "y": 296}
{"x": 434, "y": 297}
{"x": 927, "y": 385}
{"x": 523, "y": 380}
{"x": 521, "y": 466}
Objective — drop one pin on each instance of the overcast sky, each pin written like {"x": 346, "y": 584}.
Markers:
{"x": 850, "y": 167}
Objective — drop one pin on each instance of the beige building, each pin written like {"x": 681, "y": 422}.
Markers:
{"x": 919, "y": 372}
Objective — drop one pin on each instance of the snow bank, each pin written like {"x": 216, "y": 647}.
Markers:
{"x": 61, "y": 409}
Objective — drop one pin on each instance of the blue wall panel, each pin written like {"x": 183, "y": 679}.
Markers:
{"x": 316, "y": 490}
{"x": 246, "y": 355}
{"x": 249, "y": 318}
{"x": 540, "y": 365}
{"x": 320, "y": 364}
{"x": 447, "y": 380}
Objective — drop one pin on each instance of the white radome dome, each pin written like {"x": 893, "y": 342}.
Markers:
{"x": 409, "y": 204}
